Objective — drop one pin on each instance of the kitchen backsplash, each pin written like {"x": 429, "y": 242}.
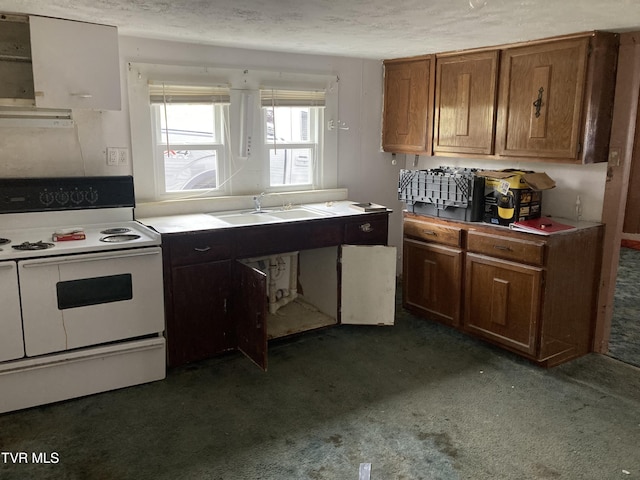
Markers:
{"x": 585, "y": 181}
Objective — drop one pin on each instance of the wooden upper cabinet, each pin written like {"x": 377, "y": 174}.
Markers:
{"x": 555, "y": 99}
{"x": 544, "y": 100}
{"x": 408, "y": 105}
{"x": 465, "y": 103}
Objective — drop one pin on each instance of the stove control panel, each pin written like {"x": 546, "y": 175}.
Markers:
{"x": 20, "y": 195}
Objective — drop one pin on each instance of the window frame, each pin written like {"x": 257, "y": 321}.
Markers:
{"x": 316, "y": 132}
{"x": 245, "y": 176}
{"x": 159, "y": 145}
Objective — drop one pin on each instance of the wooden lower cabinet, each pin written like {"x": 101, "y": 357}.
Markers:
{"x": 503, "y": 301}
{"x": 530, "y": 294}
{"x": 217, "y": 289}
{"x": 432, "y": 280}
{"x": 201, "y": 326}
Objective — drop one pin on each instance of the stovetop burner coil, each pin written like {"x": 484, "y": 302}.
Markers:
{"x": 119, "y": 238}
{"x": 4, "y": 241}
{"x": 40, "y": 245}
{"x": 115, "y": 230}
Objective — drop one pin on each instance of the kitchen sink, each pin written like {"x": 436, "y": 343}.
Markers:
{"x": 244, "y": 218}
{"x": 296, "y": 213}
{"x": 267, "y": 216}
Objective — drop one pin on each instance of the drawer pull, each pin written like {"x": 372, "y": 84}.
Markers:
{"x": 366, "y": 227}
{"x": 502, "y": 247}
{"x": 81, "y": 95}
{"x": 202, "y": 249}
{"x": 430, "y": 232}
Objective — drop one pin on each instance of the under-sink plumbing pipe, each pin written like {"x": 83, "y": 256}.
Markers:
{"x": 279, "y": 297}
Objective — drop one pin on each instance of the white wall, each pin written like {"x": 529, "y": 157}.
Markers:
{"x": 586, "y": 181}
{"x": 367, "y": 172}
{"x": 362, "y": 167}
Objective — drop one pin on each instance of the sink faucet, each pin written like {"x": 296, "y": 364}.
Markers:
{"x": 257, "y": 200}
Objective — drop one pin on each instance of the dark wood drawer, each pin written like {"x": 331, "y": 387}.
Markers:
{"x": 433, "y": 232}
{"x": 367, "y": 230}
{"x": 190, "y": 248}
{"x": 523, "y": 251}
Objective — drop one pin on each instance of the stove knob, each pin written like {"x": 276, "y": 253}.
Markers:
{"x": 62, "y": 197}
{"x": 92, "y": 196}
{"x": 77, "y": 196}
{"x": 46, "y": 198}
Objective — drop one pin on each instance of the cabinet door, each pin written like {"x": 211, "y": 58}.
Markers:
{"x": 198, "y": 327}
{"x": 75, "y": 64}
{"x": 408, "y": 105}
{"x": 465, "y": 103}
{"x": 540, "y": 100}
{"x": 250, "y": 312}
{"x": 16, "y": 87}
{"x": 432, "y": 280}
{"x": 503, "y": 301}
{"x": 368, "y": 278}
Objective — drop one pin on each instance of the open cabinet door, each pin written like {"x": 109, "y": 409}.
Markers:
{"x": 250, "y": 313}
{"x": 368, "y": 284}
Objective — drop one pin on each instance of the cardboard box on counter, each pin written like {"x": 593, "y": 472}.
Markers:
{"x": 513, "y": 195}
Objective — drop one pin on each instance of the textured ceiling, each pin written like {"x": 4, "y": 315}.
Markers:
{"x": 354, "y": 28}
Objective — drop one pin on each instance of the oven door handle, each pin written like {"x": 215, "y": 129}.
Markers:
{"x": 83, "y": 260}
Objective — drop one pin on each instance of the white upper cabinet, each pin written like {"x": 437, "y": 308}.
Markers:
{"x": 75, "y": 64}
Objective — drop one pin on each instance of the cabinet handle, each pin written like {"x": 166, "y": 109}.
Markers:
{"x": 366, "y": 227}
{"x": 502, "y": 247}
{"x": 430, "y": 232}
{"x": 538, "y": 102}
{"x": 202, "y": 249}
{"x": 81, "y": 95}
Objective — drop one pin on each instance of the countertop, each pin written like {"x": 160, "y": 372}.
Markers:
{"x": 578, "y": 224}
{"x": 213, "y": 221}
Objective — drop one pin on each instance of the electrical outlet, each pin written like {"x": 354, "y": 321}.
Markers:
{"x": 112, "y": 156}
{"x": 117, "y": 157}
{"x": 614, "y": 157}
{"x": 123, "y": 156}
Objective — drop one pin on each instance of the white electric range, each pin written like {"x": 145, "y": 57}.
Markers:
{"x": 81, "y": 289}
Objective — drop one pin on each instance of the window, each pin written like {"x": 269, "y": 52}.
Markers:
{"x": 198, "y": 133}
{"x": 293, "y": 137}
{"x": 189, "y": 140}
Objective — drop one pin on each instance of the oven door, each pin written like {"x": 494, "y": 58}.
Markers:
{"x": 11, "y": 346}
{"x": 80, "y": 300}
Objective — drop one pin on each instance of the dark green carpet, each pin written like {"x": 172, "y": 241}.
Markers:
{"x": 417, "y": 401}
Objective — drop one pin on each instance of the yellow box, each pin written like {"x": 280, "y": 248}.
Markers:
{"x": 513, "y": 195}
{"x": 517, "y": 179}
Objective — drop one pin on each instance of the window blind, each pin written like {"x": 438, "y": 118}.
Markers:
{"x": 292, "y": 98}
{"x": 160, "y": 92}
